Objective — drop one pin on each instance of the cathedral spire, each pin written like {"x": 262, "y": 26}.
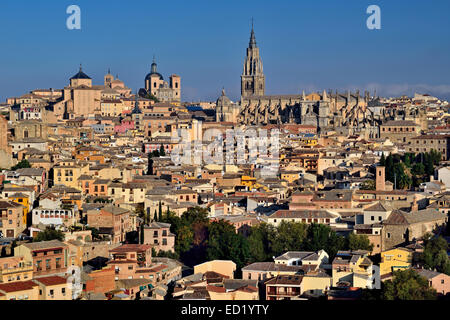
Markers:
{"x": 252, "y": 43}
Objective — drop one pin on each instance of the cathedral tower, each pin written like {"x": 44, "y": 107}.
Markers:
{"x": 252, "y": 78}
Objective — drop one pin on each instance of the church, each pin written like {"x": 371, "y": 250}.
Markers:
{"x": 347, "y": 112}
{"x": 164, "y": 91}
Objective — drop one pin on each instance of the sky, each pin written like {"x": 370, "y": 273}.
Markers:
{"x": 304, "y": 45}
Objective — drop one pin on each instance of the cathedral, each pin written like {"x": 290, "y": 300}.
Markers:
{"x": 347, "y": 113}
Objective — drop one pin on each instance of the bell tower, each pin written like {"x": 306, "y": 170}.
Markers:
{"x": 252, "y": 79}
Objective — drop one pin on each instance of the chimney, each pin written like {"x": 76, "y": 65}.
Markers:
{"x": 415, "y": 205}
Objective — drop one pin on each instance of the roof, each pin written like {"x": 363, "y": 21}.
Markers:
{"x": 52, "y": 280}
{"x": 45, "y": 245}
{"x": 271, "y": 266}
{"x": 131, "y": 248}
{"x": 158, "y": 225}
{"x": 301, "y": 255}
{"x": 80, "y": 75}
{"x": 304, "y": 214}
{"x": 114, "y": 210}
{"x": 285, "y": 280}
{"x": 17, "y": 286}
{"x": 399, "y": 217}
{"x": 429, "y": 274}
{"x": 381, "y": 206}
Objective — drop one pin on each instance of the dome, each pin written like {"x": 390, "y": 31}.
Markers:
{"x": 153, "y": 72}
{"x": 80, "y": 75}
{"x": 223, "y": 100}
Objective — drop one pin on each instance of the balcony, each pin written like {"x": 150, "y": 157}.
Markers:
{"x": 24, "y": 268}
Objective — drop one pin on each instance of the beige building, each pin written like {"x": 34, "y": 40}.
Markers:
{"x": 159, "y": 236}
{"x": 399, "y": 131}
{"x": 426, "y": 143}
{"x": 224, "y": 267}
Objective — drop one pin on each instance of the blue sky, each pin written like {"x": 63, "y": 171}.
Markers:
{"x": 305, "y": 45}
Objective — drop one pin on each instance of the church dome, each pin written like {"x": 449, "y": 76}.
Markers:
{"x": 80, "y": 75}
{"x": 153, "y": 72}
{"x": 223, "y": 100}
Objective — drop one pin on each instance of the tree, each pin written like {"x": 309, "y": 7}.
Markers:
{"x": 141, "y": 234}
{"x": 22, "y": 164}
{"x": 155, "y": 153}
{"x": 160, "y": 212}
{"x": 193, "y": 215}
{"x": 418, "y": 169}
{"x": 49, "y": 234}
{"x": 407, "y": 285}
{"x": 382, "y": 160}
{"x": 289, "y": 236}
{"x": 259, "y": 242}
{"x": 185, "y": 237}
{"x": 151, "y": 97}
{"x": 368, "y": 185}
{"x": 435, "y": 256}
{"x": 155, "y": 216}
{"x": 149, "y": 164}
{"x": 321, "y": 236}
{"x": 225, "y": 244}
{"x": 407, "y": 160}
{"x": 359, "y": 242}
{"x": 162, "y": 152}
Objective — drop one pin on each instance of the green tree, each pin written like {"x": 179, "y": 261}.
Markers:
{"x": 185, "y": 238}
{"x": 162, "y": 152}
{"x": 160, "y": 211}
{"x": 155, "y": 216}
{"x": 155, "y": 153}
{"x": 407, "y": 285}
{"x": 224, "y": 243}
{"x": 383, "y": 160}
{"x": 368, "y": 185}
{"x": 259, "y": 242}
{"x": 141, "y": 234}
{"x": 407, "y": 160}
{"x": 359, "y": 242}
{"x": 435, "y": 256}
{"x": 193, "y": 215}
{"x": 49, "y": 234}
{"x": 22, "y": 164}
{"x": 321, "y": 236}
{"x": 289, "y": 236}
{"x": 418, "y": 169}
{"x": 151, "y": 97}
